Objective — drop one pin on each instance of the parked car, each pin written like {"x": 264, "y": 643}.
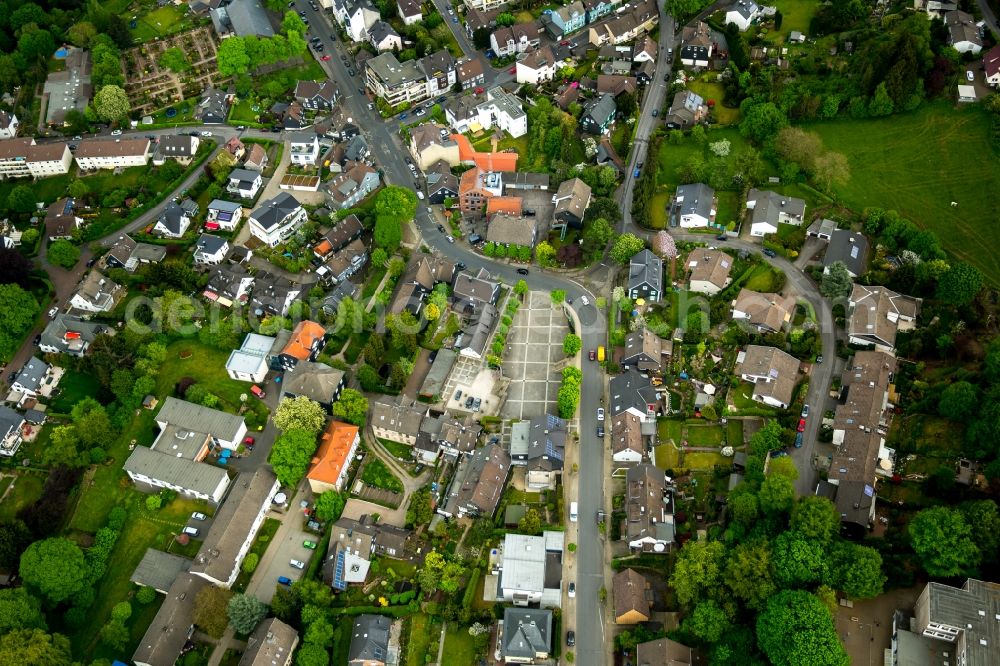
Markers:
{"x": 477, "y": 404}
{"x": 722, "y": 237}
{"x": 198, "y": 515}
{"x": 570, "y": 638}
{"x": 770, "y": 253}
{"x": 311, "y": 545}
{"x": 284, "y": 580}
{"x": 190, "y": 531}
{"x": 441, "y": 228}
{"x": 257, "y": 391}
{"x": 351, "y": 72}
{"x": 819, "y": 359}
{"x": 585, "y": 300}
{"x": 460, "y": 266}
{"x": 522, "y": 271}
{"x": 600, "y": 413}
{"x": 805, "y": 411}
{"x": 248, "y": 442}
{"x": 298, "y": 564}
{"x": 592, "y": 355}
{"x": 206, "y": 133}
{"x": 802, "y": 425}
{"x": 38, "y": 339}
{"x": 116, "y": 132}
{"x": 469, "y": 401}
{"x": 798, "y": 440}
{"x": 327, "y": 57}
{"x": 969, "y": 75}
{"x": 780, "y": 453}
{"x": 458, "y": 395}
{"x": 53, "y": 312}
{"x": 656, "y": 112}
{"x": 451, "y": 239}
{"x": 600, "y": 431}
{"x": 572, "y": 590}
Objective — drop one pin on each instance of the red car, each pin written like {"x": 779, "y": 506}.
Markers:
{"x": 802, "y": 425}
{"x": 325, "y": 58}
{"x": 248, "y": 442}
{"x": 512, "y": 70}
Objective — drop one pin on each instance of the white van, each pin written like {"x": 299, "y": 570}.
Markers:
{"x": 572, "y": 511}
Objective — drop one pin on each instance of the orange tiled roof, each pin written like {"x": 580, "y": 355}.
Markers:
{"x": 485, "y": 161}
{"x": 509, "y": 205}
{"x": 469, "y": 181}
{"x": 323, "y": 248}
{"x": 301, "y": 343}
{"x": 331, "y": 456}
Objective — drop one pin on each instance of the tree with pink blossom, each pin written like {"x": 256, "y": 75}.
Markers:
{"x": 664, "y": 246}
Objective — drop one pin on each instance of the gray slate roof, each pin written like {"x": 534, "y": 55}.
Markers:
{"x": 159, "y": 570}
{"x": 194, "y": 417}
{"x": 272, "y": 642}
{"x": 9, "y": 419}
{"x": 32, "y": 374}
{"x": 646, "y": 268}
{"x": 273, "y": 211}
{"x": 630, "y": 389}
{"x": 369, "y": 639}
{"x": 210, "y": 244}
{"x": 166, "y": 636}
{"x": 850, "y": 247}
{"x": 316, "y": 381}
{"x": 526, "y": 632}
{"x": 697, "y": 199}
{"x": 181, "y": 472}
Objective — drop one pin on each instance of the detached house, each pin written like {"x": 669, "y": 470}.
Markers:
{"x": 645, "y": 276}
{"x": 567, "y": 19}
{"x": 369, "y": 641}
{"x": 848, "y": 247}
{"x": 539, "y": 446}
{"x": 70, "y": 335}
{"x": 352, "y": 186}
{"x": 635, "y": 394}
{"x": 256, "y": 159}
{"x": 178, "y": 147}
{"x": 61, "y": 220}
{"x": 963, "y": 33}
{"x": 768, "y": 313}
{"x": 772, "y": 372}
{"x": 537, "y": 67}
{"x": 213, "y": 108}
{"x": 598, "y": 115}
{"x": 397, "y": 421}
{"x": 875, "y": 314}
{"x": 384, "y": 38}
{"x": 307, "y": 341}
{"x": 645, "y": 350}
{"x": 175, "y": 219}
{"x": 742, "y": 13}
{"x": 316, "y": 381}
{"x": 633, "y": 597}
{"x": 769, "y": 209}
{"x": 506, "y": 41}
{"x": 709, "y": 271}
{"x": 409, "y": 11}
{"x": 210, "y": 249}
{"x": 316, "y": 95}
{"x": 276, "y": 219}
{"x": 273, "y": 294}
{"x": 36, "y": 378}
{"x": 571, "y": 200}
{"x": 96, "y": 293}
{"x": 252, "y": 360}
{"x": 649, "y": 510}
{"x": 524, "y": 636}
{"x": 686, "y": 110}
{"x": 11, "y": 424}
{"x": 694, "y": 206}
{"x": 244, "y": 182}
{"x": 128, "y": 254}
{"x": 303, "y": 148}
{"x": 224, "y": 215}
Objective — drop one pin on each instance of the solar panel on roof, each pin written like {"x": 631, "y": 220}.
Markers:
{"x": 869, "y": 491}
{"x": 338, "y": 572}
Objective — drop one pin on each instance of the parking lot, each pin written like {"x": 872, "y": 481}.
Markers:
{"x": 287, "y": 546}
{"x": 534, "y": 349}
{"x": 475, "y": 380}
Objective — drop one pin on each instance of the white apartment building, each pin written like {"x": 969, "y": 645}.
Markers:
{"x": 23, "y": 158}
{"x": 112, "y": 153}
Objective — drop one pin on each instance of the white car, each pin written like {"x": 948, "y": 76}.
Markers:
{"x": 420, "y": 195}
{"x": 197, "y": 515}
{"x": 585, "y": 300}
{"x": 298, "y": 564}
{"x": 119, "y": 132}
{"x": 969, "y": 75}
{"x": 206, "y": 134}
{"x": 53, "y": 312}
{"x": 190, "y": 531}
{"x": 600, "y": 413}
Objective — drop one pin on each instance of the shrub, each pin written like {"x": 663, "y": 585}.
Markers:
{"x": 98, "y": 455}
{"x": 153, "y": 502}
{"x": 251, "y": 562}
{"x": 145, "y": 595}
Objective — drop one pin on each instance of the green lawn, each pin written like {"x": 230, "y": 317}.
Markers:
{"x": 73, "y": 387}
{"x": 27, "y": 489}
{"x": 160, "y": 22}
{"x": 730, "y": 207}
{"x": 672, "y": 156}
{"x": 143, "y": 529}
{"x": 713, "y": 91}
{"x": 398, "y": 450}
{"x": 763, "y": 279}
{"x": 424, "y": 635}
{"x": 658, "y": 205}
{"x": 708, "y": 435}
{"x": 459, "y": 647}
{"x": 378, "y": 474}
{"x": 260, "y": 544}
{"x": 44, "y": 189}
{"x": 734, "y": 433}
{"x": 741, "y": 393}
{"x": 918, "y": 163}
{"x": 668, "y": 429}
{"x": 797, "y": 14}
{"x": 667, "y": 457}
{"x": 208, "y": 367}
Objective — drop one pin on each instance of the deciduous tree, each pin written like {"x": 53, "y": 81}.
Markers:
{"x": 708, "y": 621}
{"x": 777, "y": 494}
{"x": 762, "y": 122}
{"x": 299, "y": 413}
{"x": 55, "y": 568}
{"x": 530, "y": 523}
{"x": 352, "y": 407}
{"x": 958, "y": 401}
{"x": 836, "y": 282}
{"x": 943, "y": 542}
{"x": 34, "y": 647}
{"x": 960, "y": 285}
{"x": 19, "y": 610}
{"x": 697, "y": 571}
{"x": 291, "y": 455}
{"x": 749, "y": 573}
{"x": 111, "y": 103}
{"x": 815, "y": 518}
{"x": 329, "y": 505}
{"x": 14, "y": 267}
{"x": 625, "y": 247}
{"x": 798, "y": 561}
{"x": 572, "y": 344}
{"x": 795, "y": 628}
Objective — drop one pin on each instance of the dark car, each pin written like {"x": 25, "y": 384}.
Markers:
{"x": 476, "y": 404}
{"x": 798, "y": 440}
{"x": 722, "y": 237}
{"x": 819, "y": 359}
{"x": 469, "y": 401}
{"x": 570, "y": 638}
{"x": 91, "y": 261}
{"x": 441, "y": 228}
{"x": 195, "y": 133}
{"x": 592, "y": 355}
{"x": 458, "y": 394}
{"x": 460, "y": 266}
{"x": 770, "y": 253}
{"x": 600, "y": 431}
{"x": 38, "y": 338}
{"x": 522, "y": 271}
{"x": 780, "y": 453}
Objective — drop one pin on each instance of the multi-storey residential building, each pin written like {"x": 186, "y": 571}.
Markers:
{"x": 510, "y": 40}
{"x": 538, "y": 67}
{"x": 395, "y": 82}
{"x": 485, "y": 5}
{"x": 303, "y": 148}
{"x": 569, "y": 18}
{"x": 503, "y": 109}
{"x": 23, "y": 158}
{"x": 332, "y": 460}
{"x": 112, "y": 153}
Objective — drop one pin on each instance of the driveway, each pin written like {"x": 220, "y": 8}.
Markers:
{"x": 286, "y": 546}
